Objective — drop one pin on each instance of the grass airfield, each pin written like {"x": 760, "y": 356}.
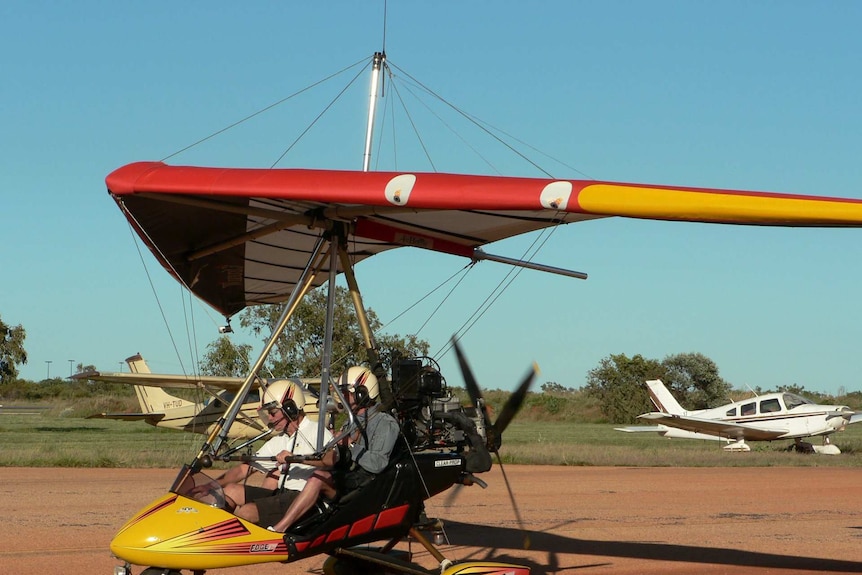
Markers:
{"x": 49, "y": 439}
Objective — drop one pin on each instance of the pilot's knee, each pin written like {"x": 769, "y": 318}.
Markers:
{"x": 248, "y": 512}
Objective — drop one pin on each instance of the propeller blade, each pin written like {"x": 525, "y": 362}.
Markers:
{"x": 470, "y": 383}
{"x": 454, "y": 492}
{"x": 518, "y": 517}
{"x": 515, "y": 401}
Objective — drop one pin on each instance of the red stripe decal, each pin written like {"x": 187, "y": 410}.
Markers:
{"x": 390, "y": 517}
{"x": 362, "y": 526}
{"x": 338, "y": 534}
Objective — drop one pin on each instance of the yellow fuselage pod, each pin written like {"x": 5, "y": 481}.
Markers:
{"x": 176, "y": 532}
{"x": 486, "y": 568}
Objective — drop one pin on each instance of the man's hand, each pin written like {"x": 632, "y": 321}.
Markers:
{"x": 202, "y": 489}
{"x": 283, "y": 456}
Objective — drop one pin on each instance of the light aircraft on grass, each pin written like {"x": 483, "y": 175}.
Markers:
{"x": 768, "y": 417}
{"x": 238, "y": 237}
{"x": 161, "y": 409}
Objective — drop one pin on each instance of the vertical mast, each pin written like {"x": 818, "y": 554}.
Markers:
{"x": 379, "y": 59}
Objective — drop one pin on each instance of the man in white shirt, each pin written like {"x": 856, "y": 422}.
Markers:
{"x": 282, "y": 408}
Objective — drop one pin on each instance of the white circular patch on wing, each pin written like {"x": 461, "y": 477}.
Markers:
{"x": 398, "y": 189}
{"x": 556, "y": 195}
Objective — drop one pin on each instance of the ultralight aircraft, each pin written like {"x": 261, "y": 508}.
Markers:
{"x": 238, "y": 237}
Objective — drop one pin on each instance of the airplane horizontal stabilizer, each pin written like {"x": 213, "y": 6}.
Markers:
{"x": 151, "y": 418}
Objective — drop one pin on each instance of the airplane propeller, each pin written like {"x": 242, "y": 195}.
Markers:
{"x": 494, "y": 431}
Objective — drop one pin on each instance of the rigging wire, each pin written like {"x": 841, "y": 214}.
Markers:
{"x": 427, "y": 295}
{"x": 477, "y": 124}
{"x": 320, "y": 115}
{"x": 183, "y": 287}
{"x": 529, "y": 253}
{"x": 262, "y": 110}
{"x": 155, "y": 293}
{"x": 415, "y": 129}
{"x": 444, "y": 123}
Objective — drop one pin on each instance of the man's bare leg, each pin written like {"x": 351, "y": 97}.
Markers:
{"x": 317, "y": 485}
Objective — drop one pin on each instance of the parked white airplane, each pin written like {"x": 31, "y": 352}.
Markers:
{"x": 763, "y": 418}
{"x": 161, "y": 409}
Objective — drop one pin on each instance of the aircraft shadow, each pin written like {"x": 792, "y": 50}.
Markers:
{"x": 513, "y": 539}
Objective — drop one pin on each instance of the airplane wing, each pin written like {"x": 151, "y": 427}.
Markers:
{"x": 239, "y": 237}
{"x": 716, "y": 427}
{"x": 164, "y": 380}
{"x": 640, "y": 429}
{"x": 151, "y": 418}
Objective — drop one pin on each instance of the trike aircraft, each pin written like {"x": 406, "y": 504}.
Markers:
{"x": 161, "y": 409}
{"x": 238, "y": 237}
{"x": 768, "y": 417}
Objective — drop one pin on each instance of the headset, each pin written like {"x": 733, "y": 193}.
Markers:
{"x": 361, "y": 396}
{"x": 291, "y": 411}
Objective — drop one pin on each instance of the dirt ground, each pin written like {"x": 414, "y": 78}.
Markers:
{"x": 613, "y": 521}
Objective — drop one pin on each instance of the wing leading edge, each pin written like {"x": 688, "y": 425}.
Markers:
{"x": 239, "y": 237}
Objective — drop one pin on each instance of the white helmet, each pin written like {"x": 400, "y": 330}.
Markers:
{"x": 283, "y": 394}
{"x": 361, "y": 382}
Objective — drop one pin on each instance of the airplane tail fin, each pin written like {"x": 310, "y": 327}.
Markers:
{"x": 153, "y": 399}
{"x": 137, "y": 364}
{"x": 662, "y": 398}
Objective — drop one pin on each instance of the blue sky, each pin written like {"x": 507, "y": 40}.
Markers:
{"x": 758, "y": 96}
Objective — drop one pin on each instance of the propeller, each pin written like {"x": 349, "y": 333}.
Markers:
{"x": 494, "y": 431}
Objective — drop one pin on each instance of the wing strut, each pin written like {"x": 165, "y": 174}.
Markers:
{"x": 326, "y": 358}
{"x": 219, "y": 432}
{"x": 479, "y": 255}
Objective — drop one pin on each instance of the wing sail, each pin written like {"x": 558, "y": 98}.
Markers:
{"x": 239, "y": 237}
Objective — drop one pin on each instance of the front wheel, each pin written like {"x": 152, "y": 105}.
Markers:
{"x": 160, "y": 571}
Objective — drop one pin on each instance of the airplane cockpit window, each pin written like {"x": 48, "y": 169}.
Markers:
{"x": 749, "y": 409}
{"x": 791, "y": 400}
{"x": 770, "y": 405}
{"x": 731, "y": 412}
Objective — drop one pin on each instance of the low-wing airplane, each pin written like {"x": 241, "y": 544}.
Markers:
{"x": 161, "y": 409}
{"x": 769, "y": 417}
{"x": 237, "y": 237}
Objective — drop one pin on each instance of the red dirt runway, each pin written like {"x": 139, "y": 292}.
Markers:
{"x": 614, "y": 521}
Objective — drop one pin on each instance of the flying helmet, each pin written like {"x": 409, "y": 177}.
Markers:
{"x": 284, "y": 395}
{"x": 361, "y": 382}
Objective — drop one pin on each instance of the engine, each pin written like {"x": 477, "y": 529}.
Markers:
{"x": 432, "y": 418}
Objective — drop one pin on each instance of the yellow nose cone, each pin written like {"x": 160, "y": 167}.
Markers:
{"x": 180, "y": 533}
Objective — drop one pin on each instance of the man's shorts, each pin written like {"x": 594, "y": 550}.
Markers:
{"x": 271, "y": 508}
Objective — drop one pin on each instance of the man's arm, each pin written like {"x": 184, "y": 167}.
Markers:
{"x": 233, "y": 475}
{"x": 381, "y": 441}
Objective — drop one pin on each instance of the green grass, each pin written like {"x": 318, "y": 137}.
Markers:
{"x": 54, "y": 439}
{"x": 48, "y": 440}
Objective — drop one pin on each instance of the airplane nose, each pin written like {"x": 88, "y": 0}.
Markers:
{"x": 839, "y": 418}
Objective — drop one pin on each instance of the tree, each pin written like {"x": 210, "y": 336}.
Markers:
{"x": 693, "y": 379}
{"x": 618, "y": 384}
{"x": 298, "y": 352}
{"x": 12, "y": 352}
{"x": 225, "y": 358}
